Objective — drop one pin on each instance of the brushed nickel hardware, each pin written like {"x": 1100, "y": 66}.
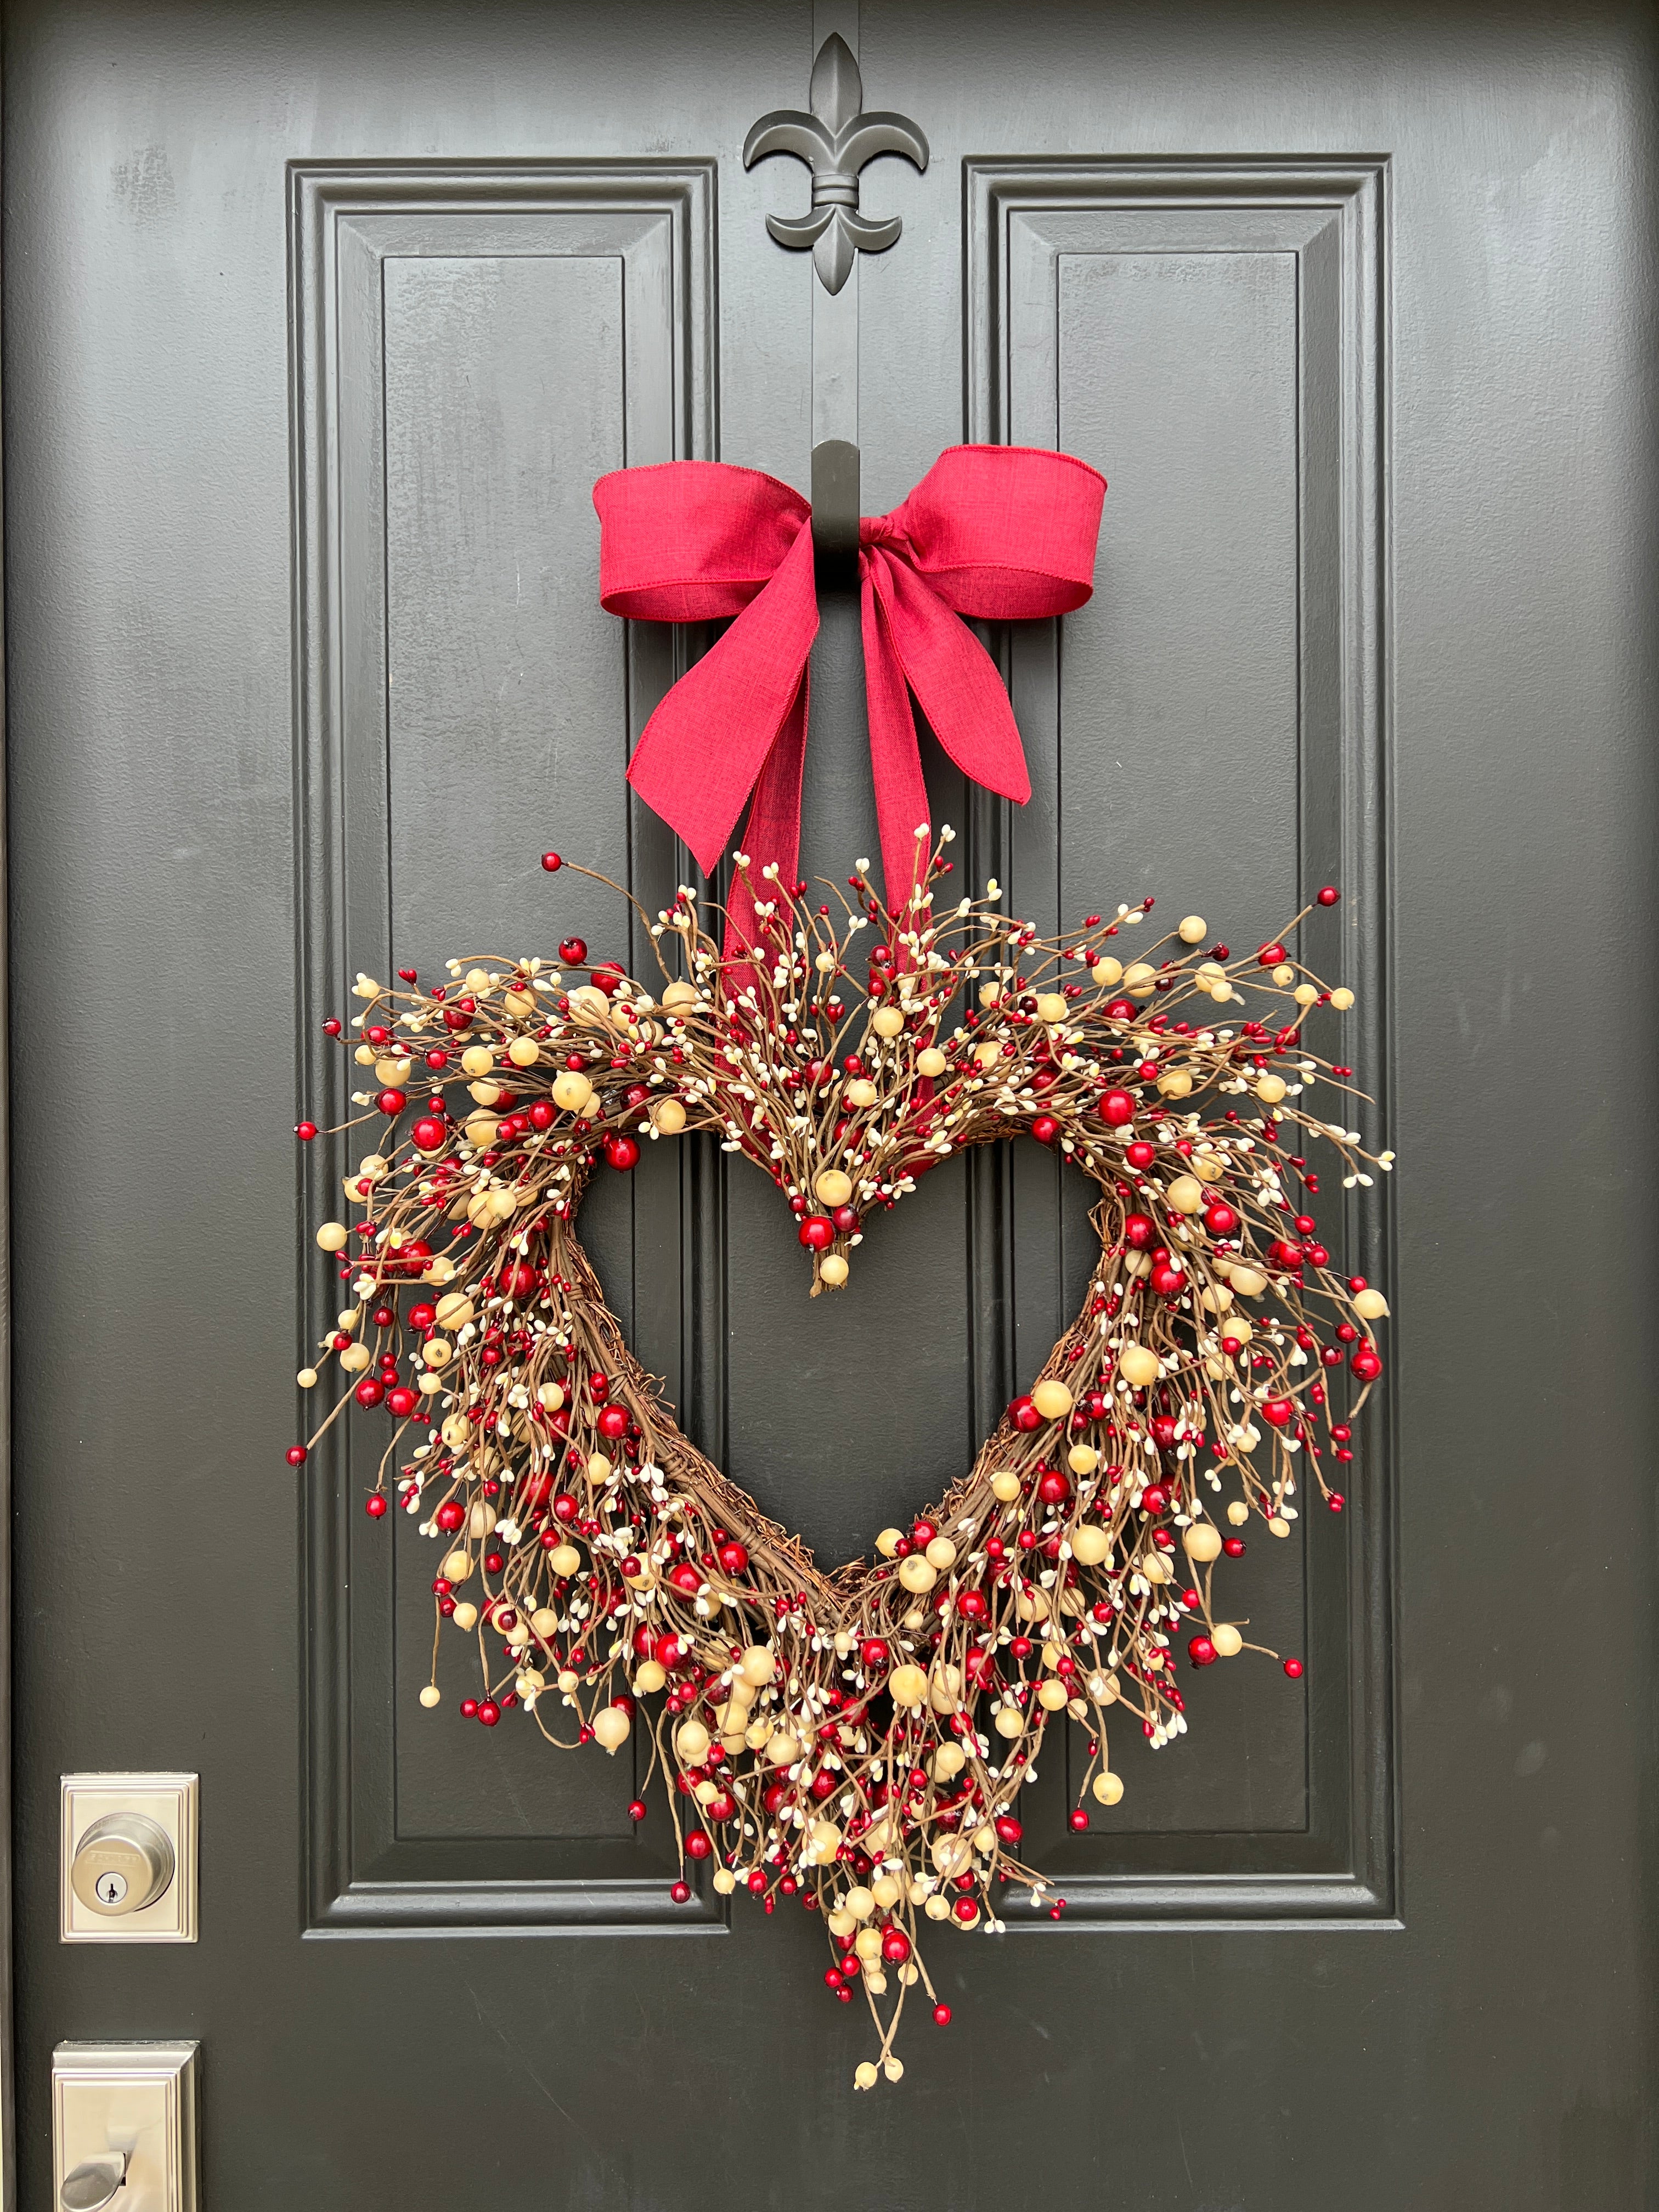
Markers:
{"x": 93, "y": 2185}
{"x": 128, "y": 1859}
{"x": 123, "y": 1862}
{"x": 124, "y": 2126}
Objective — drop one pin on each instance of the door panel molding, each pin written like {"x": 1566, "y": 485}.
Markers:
{"x": 427, "y": 301}
{"x": 1281, "y": 265}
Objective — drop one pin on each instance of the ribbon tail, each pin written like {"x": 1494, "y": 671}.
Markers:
{"x": 895, "y": 752}
{"x": 957, "y": 683}
{"x": 771, "y": 836}
{"x": 706, "y": 746}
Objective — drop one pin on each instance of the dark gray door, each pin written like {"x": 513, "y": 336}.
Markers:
{"x": 320, "y": 323}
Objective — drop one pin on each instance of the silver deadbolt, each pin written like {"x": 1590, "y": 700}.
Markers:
{"x": 122, "y": 1863}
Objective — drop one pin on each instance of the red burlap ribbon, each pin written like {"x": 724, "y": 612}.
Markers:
{"x": 999, "y": 533}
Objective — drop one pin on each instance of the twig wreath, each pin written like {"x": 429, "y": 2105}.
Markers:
{"x": 856, "y": 1739}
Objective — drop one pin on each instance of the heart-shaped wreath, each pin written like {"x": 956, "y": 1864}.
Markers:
{"x": 856, "y": 1739}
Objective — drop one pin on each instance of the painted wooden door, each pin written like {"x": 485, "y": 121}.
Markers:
{"x": 321, "y": 323}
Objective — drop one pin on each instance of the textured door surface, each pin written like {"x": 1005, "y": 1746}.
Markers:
{"x": 320, "y": 325}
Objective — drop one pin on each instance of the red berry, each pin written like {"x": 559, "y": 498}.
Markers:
{"x": 816, "y": 1232}
{"x": 1293, "y": 1669}
{"x": 332, "y": 1026}
{"x": 1233, "y": 1547}
{"x": 469, "y": 1709}
{"x": 873, "y": 1652}
{"x": 1270, "y": 955}
{"x": 552, "y": 863}
{"x": 1219, "y": 1218}
{"x": 622, "y": 1153}
{"x": 1116, "y": 1108}
{"x": 1278, "y": 1412}
{"x": 613, "y": 1422}
{"x": 637, "y": 1809}
{"x": 370, "y": 1392}
{"x": 941, "y": 2016}
{"x": 296, "y": 1455}
{"x": 572, "y": 952}
{"x": 450, "y": 1515}
{"x": 697, "y": 1845}
{"x": 1329, "y": 896}
{"x": 1366, "y": 1364}
{"x": 1201, "y": 1650}
{"x": 896, "y": 1946}
{"x": 681, "y": 1892}
{"x": 1053, "y": 1488}
{"x": 733, "y": 1558}
{"x": 1025, "y": 1414}
{"x": 1045, "y": 1128}
{"x": 1140, "y": 1156}
{"x": 428, "y": 1134}
{"x": 375, "y": 1507}
{"x": 391, "y": 1101}
{"x": 304, "y": 1130}
{"x": 1139, "y": 1232}
{"x": 490, "y": 1713}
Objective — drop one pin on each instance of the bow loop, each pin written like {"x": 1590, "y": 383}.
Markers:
{"x": 996, "y": 533}
{"x": 691, "y": 541}
{"x": 1005, "y": 533}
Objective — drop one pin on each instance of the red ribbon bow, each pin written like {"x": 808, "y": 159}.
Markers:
{"x": 997, "y": 532}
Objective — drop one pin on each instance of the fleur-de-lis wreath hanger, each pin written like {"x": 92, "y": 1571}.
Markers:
{"x": 835, "y": 141}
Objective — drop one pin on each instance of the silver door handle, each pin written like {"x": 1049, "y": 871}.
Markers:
{"x": 94, "y": 2182}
